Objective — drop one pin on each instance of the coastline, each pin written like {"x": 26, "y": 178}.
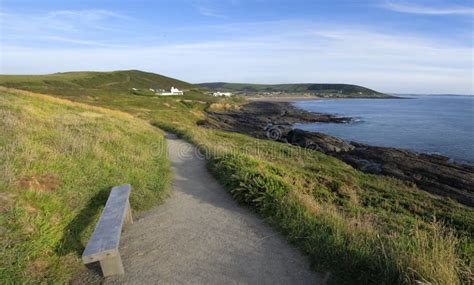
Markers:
{"x": 289, "y": 99}
{"x": 274, "y": 119}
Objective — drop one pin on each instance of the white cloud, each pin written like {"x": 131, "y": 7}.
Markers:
{"x": 316, "y": 53}
{"x": 79, "y": 41}
{"x": 404, "y": 7}
{"x": 208, "y": 12}
{"x": 268, "y": 52}
{"x": 87, "y": 15}
{"x": 57, "y": 23}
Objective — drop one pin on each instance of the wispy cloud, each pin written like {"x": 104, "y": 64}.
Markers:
{"x": 79, "y": 41}
{"x": 317, "y": 53}
{"x": 260, "y": 51}
{"x": 95, "y": 19}
{"x": 81, "y": 27}
{"x": 404, "y": 7}
{"x": 69, "y": 20}
{"x": 85, "y": 15}
{"x": 209, "y": 12}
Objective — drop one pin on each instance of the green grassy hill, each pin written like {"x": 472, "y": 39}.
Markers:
{"x": 333, "y": 90}
{"x": 71, "y": 84}
{"x": 58, "y": 162}
{"x": 92, "y": 83}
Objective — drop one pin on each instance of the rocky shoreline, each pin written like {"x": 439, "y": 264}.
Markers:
{"x": 273, "y": 120}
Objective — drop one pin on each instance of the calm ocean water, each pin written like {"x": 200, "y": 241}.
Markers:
{"x": 430, "y": 124}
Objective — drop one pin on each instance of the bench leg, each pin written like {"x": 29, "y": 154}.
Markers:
{"x": 128, "y": 214}
{"x": 112, "y": 266}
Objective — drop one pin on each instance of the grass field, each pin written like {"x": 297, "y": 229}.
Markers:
{"x": 92, "y": 83}
{"x": 363, "y": 228}
{"x": 58, "y": 162}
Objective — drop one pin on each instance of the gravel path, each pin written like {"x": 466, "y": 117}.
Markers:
{"x": 201, "y": 236}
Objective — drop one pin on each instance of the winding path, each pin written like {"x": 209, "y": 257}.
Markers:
{"x": 201, "y": 236}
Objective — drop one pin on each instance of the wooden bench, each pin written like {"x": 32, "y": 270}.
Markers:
{"x": 104, "y": 243}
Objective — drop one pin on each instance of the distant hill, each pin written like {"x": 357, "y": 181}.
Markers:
{"x": 92, "y": 83}
{"x": 332, "y": 90}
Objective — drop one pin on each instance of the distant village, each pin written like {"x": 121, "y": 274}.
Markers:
{"x": 173, "y": 91}
{"x": 176, "y": 92}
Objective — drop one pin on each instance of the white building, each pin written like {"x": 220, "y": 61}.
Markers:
{"x": 225, "y": 94}
{"x": 173, "y": 91}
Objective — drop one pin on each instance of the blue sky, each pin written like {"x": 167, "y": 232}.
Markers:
{"x": 422, "y": 46}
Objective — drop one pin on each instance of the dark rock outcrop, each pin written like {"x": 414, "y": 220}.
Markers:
{"x": 433, "y": 173}
{"x": 317, "y": 141}
{"x": 255, "y": 117}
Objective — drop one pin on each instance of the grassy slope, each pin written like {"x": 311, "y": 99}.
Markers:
{"x": 364, "y": 228}
{"x": 91, "y": 83}
{"x": 346, "y": 90}
{"x": 57, "y": 165}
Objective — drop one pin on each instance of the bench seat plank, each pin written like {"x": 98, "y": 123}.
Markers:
{"x": 106, "y": 237}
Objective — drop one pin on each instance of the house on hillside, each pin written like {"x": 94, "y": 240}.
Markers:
{"x": 225, "y": 94}
{"x": 173, "y": 91}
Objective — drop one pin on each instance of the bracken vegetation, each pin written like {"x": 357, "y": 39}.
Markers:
{"x": 361, "y": 228}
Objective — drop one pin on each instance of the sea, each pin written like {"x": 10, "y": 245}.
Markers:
{"x": 439, "y": 124}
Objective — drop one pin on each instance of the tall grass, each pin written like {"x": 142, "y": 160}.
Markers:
{"x": 352, "y": 248}
{"x": 362, "y": 228}
{"x": 58, "y": 161}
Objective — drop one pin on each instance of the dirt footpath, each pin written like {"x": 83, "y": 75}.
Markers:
{"x": 201, "y": 236}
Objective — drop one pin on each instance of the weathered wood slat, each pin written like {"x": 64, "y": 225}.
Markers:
{"x": 104, "y": 242}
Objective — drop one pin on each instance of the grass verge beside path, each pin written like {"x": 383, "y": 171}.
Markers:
{"x": 58, "y": 162}
{"x": 365, "y": 229}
